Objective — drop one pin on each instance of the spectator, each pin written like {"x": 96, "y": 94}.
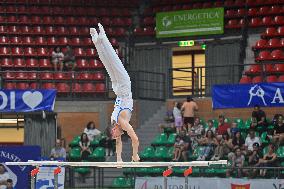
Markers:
{"x": 227, "y": 143}
{"x": 188, "y": 109}
{"x": 109, "y": 142}
{"x": 258, "y": 119}
{"x": 238, "y": 161}
{"x": 250, "y": 140}
{"x": 4, "y": 175}
{"x": 92, "y": 131}
{"x": 219, "y": 150}
{"x": 178, "y": 146}
{"x": 57, "y": 58}
{"x": 195, "y": 132}
{"x": 222, "y": 126}
{"x": 268, "y": 160}
{"x": 10, "y": 184}
{"x": 233, "y": 129}
{"x": 186, "y": 146}
{"x": 196, "y": 129}
{"x": 278, "y": 134}
{"x": 69, "y": 58}
{"x": 238, "y": 141}
{"x": 85, "y": 146}
{"x": 210, "y": 127}
{"x": 253, "y": 160}
{"x": 177, "y": 116}
{"x": 58, "y": 152}
{"x": 208, "y": 142}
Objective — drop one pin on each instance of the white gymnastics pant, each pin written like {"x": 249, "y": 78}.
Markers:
{"x": 120, "y": 79}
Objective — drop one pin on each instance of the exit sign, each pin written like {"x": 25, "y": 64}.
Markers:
{"x": 186, "y": 43}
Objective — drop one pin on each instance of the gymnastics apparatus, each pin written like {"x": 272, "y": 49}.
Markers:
{"x": 120, "y": 118}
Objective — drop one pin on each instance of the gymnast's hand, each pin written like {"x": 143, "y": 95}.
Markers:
{"x": 94, "y": 35}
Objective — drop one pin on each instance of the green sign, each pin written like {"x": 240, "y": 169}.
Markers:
{"x": 189, "y": 43}
{"x": 190, "y": 22}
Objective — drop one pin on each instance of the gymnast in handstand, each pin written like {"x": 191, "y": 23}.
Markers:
{"x": 121, "y": 86}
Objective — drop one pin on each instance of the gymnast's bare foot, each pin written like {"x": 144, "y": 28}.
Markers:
{"x": 135, "y": 158}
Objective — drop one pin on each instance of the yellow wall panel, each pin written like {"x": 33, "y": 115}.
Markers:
{"x": 11, "y": 135}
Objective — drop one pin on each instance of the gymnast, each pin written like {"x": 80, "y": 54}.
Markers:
{"x": 121, "y": 86}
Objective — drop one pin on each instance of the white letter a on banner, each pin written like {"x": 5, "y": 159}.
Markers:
{"x": 277, "y": 96}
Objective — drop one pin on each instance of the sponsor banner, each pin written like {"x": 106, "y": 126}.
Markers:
{"x": 45, "y": 178}
{"x": 205, "y": 183}
{"x": 248, "y": 95}
{"x": 190, "y": 22}
{"x": 27, "y": 100}
{"x": 18, "y": 174}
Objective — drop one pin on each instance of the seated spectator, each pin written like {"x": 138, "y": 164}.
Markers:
{"x": 178, "y": 146}
{"x": 10, "y": 184}
{"x": 250, "y": 140}
{"x": 195, "y": 132}
{"x": 238, "y": 141}
{"x": 177, "y": 116}
{"x": 186, "y": 146}
{"x": 109, "y": 142}
{"x": 196, "y": 129}
{"x": 238, "y": 162}
{"x": 209, "y": 143}
{"x": 258, "y": 119}
{"x": 85, "y": 146}
{"x": 219, "y": 150}
{"x": 58, "y": 152}
{"x": 278, "y": 134}
{"x": 210, "y": 127}
{"x": 224, "y": 146}
{"x": 168, "y": 126}
{"x": 4, "y": 175}
{"x": 253, "y": 160}
{"x": 268, "y": 160}
{"x": 57, "y": 58}
{"x": 233, "y": 129}
{"x": 69, "y": 58}
{"x": 222, "y": 126}
{"x": 92, "y": 131}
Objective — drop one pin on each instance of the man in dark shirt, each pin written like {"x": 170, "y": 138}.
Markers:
{"x": 258, "y": 120}
{"x": 222, "y": 126}
{"x": 186, "y": 147}
{"x": 278, "y": 135}
{"x": 69, "y": 58}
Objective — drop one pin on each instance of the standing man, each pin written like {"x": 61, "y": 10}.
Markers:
{"x": 188, "y": 109}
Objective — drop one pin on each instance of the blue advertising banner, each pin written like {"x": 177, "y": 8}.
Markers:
{"x": 18, "y": 174}
{"x": 248, "y": 95}
{"x": 27, "y": 100}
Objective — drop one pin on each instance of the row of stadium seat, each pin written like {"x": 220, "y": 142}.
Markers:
{"x": 256, "y": 22}
{"x": 56, "y": 31}
{"x": 62, "y": 10}
{"x": 49, "y": 41}
{"x": 33, "y": 63}
{"x": 225, "y": 3}
{"x": 43, "y": 52}
{"x": 98, "y": 3}
{"x": 267, "y": 55}
{"x": 259, "y": 79}
{"x": 61, "y": 87}
{"x": 271, "y": 32}
{"x": 147, "y": 31}
{"x": 269, "y": 44}
{"x": 60, "y": 20}
{"x": 268, "y": 68}
{"x": 259, "y": 11}
{"x": 52, "y": 76}
{"x": 181, "y": 5}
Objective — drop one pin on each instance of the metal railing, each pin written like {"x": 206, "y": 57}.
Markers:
{"x": 200, "y": 79}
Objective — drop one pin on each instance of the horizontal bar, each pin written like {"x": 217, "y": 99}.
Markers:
{"x": 120, "y": 164}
